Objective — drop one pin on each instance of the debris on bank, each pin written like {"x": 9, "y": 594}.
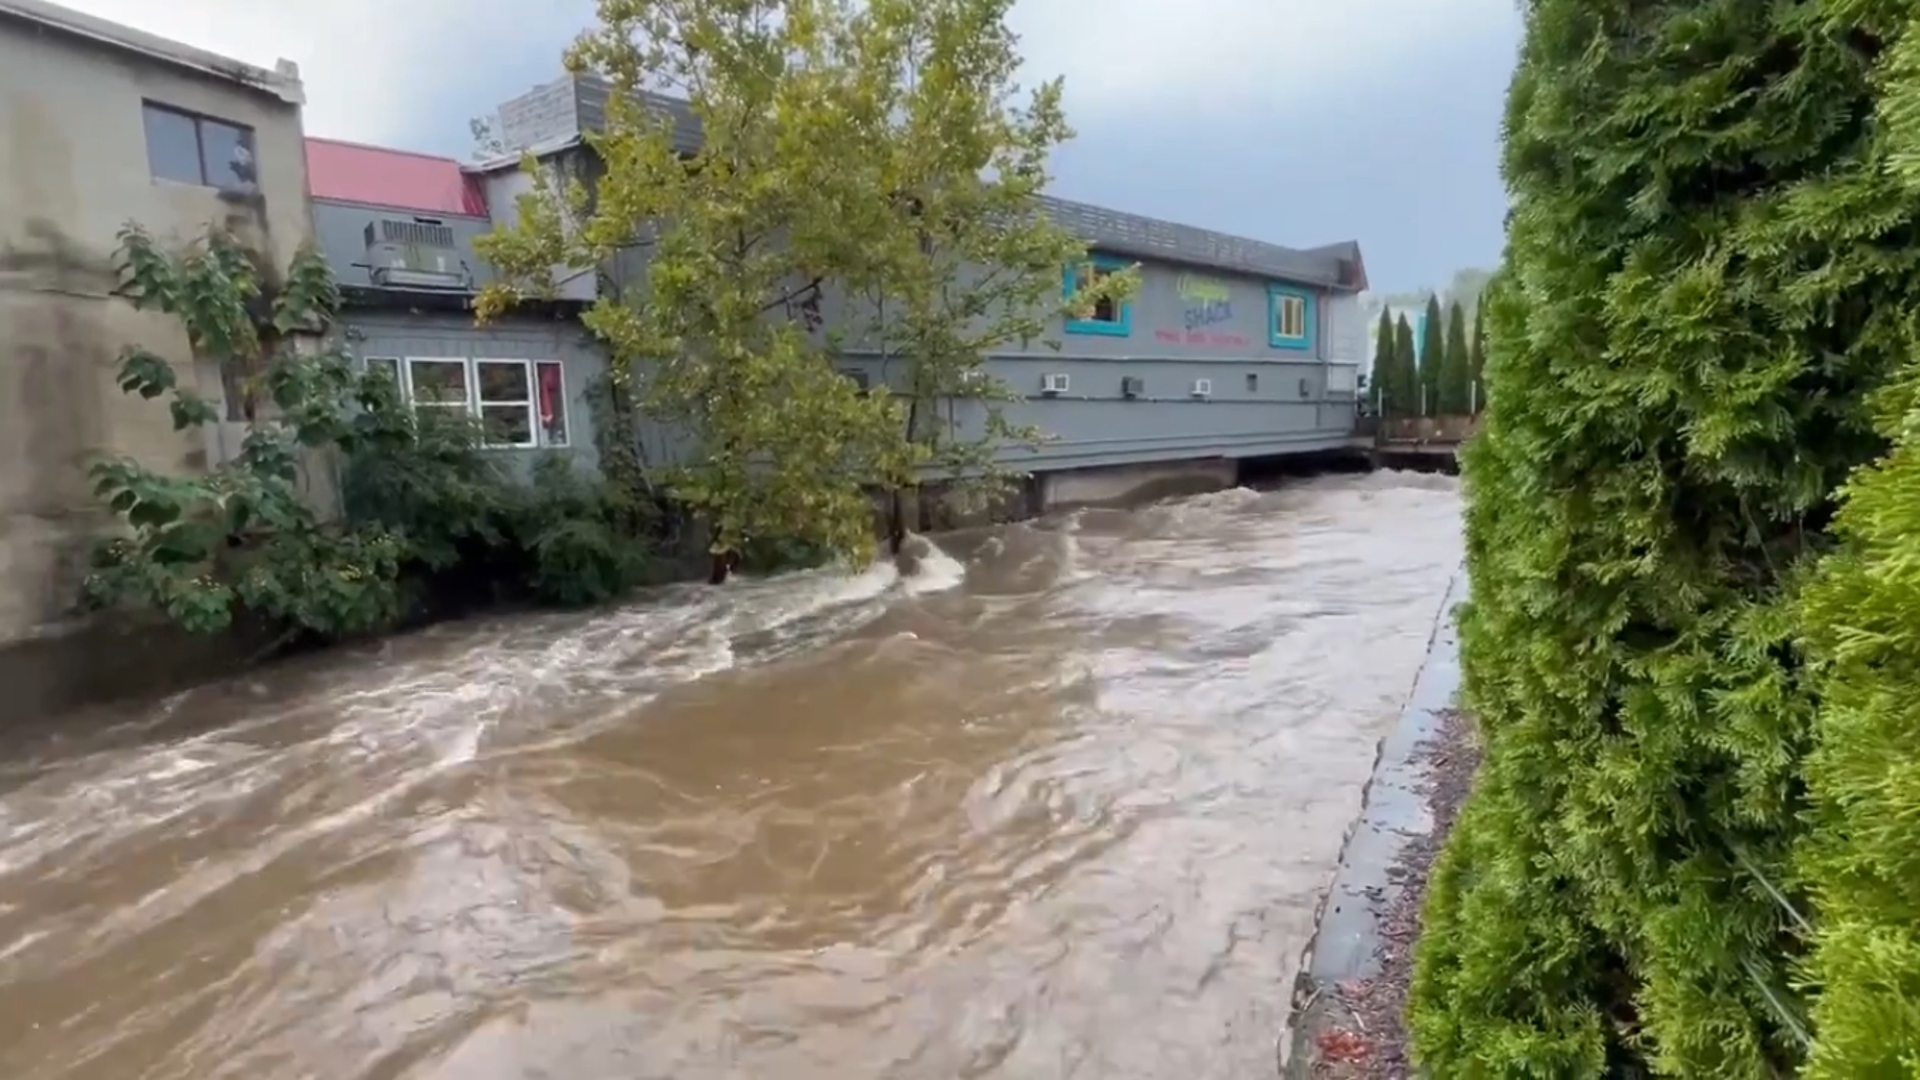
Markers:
{"x": 1349, "y": 1000}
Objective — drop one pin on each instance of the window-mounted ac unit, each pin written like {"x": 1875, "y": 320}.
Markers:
{"x": 1202, "y": 388}
{"x": 414, "y": 255}
{"x": 1054, "y": 384}
{"x": 1132, "y": 386}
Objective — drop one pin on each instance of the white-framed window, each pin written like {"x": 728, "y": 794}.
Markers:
{"x": 1290, "y": 316}
{"x": 521, "y": 404}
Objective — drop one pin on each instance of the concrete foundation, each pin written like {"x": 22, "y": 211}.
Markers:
{"x": 1108, "y": 485}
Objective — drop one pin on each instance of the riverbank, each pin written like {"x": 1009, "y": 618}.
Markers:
{"x": 1347, "y": 1017}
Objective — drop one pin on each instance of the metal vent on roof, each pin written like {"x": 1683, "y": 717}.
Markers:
{"x": 413, "y": 233}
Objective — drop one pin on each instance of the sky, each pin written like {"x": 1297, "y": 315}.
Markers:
{"x": 1300, "y": 122}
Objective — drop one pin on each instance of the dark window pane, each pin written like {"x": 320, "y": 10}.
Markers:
{"x": 442, "y": 381}
{"x": 507, "y": 425}
{"x": 227, "y": 155}
{"x": 553, "y": 404}
{"x": 503, "y": 380}
{"x": 173, "y": 147}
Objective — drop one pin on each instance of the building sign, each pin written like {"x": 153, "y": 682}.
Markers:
{"x": 1204, "y": 302}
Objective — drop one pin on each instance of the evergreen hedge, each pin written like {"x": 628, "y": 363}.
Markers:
{"x": 1709, "y": 268}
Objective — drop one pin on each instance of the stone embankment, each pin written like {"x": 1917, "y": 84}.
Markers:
{"x": 1348, "y": 1011}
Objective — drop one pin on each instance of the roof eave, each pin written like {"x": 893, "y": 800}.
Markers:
{"x": 283, "y": 82}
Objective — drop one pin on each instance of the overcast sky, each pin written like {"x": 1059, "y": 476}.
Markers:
{"x": 1301, "y": 122}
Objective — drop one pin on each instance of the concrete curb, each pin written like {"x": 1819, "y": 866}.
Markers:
{"x": 1346, "y": 938}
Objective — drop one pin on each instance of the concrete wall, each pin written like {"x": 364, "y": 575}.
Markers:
{"x": 402, "y": 335}
{"x": 73, "y": 169}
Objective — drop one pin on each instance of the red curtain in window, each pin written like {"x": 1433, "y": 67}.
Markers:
{"x": 549, "y": 394}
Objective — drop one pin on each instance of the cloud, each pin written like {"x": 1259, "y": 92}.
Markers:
{"x": 1296, "y": 121}
{"x": 1228, "y": 56}
{"x": 396, "y": 72}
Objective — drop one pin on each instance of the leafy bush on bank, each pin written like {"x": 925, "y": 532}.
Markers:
{"x": 430, "y": 523}
{"x": 1709, "y": 269}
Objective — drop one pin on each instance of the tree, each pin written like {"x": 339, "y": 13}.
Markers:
{"x": 1477, "y": 359}
{"x": 782, "y": 194}
{"x": 241, "y": 543}
{"x": 970, "y": 265}
{"x": 842, "y": 152}
{"x": 1386, "y": 394}
{"x": 1863, "y": 773}
{"x": 1433, "y": 354}
{"x": 1709, "y": 265}
{"x": 1405, "y": 372}
{"x": 200, "y": 550}
{"x": 1455, "y": 375}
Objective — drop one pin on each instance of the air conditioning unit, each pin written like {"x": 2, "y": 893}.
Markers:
{"x": 1054, "y": 384}
{"x": 414, "y": 255}
{"x": 1132, "y": 386}
{"x": 1202, "y": 388}
{"x": 856, "y": 376}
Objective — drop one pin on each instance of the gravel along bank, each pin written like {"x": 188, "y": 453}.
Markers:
{"x": 1349, "y": 1001}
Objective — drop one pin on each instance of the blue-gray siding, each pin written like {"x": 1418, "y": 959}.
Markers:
{"x": 403, "y": 335}
{"x": 340, "y": 229}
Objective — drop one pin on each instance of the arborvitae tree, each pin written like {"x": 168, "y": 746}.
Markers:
{"x": 1708, "y": 265}
{"x": 1406, "y": 374}
{"x": 1456, "y": 377}
{"x": 1863, "y": 777}
{"x": 1433, "y": 353}
{"x": 1385, "y": 392}
{"x": 1477, "y": 360}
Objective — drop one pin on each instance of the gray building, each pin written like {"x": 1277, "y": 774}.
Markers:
{"x": 398, "y": 229}
{"x": 1233, "y": 348}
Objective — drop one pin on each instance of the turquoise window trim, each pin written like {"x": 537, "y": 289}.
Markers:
{"x": 1309, "y": 317}
{"x": 1070, "y": 282}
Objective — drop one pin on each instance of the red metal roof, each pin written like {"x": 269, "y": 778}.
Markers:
{"x": 354, "y": 172}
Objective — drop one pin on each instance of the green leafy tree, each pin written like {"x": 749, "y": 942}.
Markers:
{"x": 201, "y": 549}
{"x": 784, "y": 196}
{"x": 1433, "y": 355}
{"x": 1477, "y": 359}
{"x": 968, "y": 265}
{"x": 1385, "y": 371}
{"x": 1406, "y": 372}
{"x": 1456, "y": 367}
{"x": 1709, "y": 264}
{"x": 421, "y": 504}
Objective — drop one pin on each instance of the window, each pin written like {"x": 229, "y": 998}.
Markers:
{"x": 519, "y": 403}
{"x": 1289, "y": 318}
{"x": 192, "y": 149}
{"x": 1113, "y": 318}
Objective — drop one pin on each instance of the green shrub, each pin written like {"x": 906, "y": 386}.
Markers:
{"x": 1708, "y": 268}
{"x": 430, "y": 523}
{"x": 571, "y": 528}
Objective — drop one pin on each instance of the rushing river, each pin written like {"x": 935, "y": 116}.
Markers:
{"x": 1059, "y": 804}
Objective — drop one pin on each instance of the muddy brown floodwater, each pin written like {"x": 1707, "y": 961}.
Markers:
{"x": 1058, "y": 805}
